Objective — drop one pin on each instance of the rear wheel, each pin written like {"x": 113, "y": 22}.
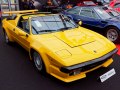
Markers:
{"x": 6, "y": 38}
{"x": 39, "y": 64}
{"x": 113, "y": 34}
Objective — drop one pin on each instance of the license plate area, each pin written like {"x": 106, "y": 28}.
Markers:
{"x": 107, "y": 75}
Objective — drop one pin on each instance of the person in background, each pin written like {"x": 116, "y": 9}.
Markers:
{"x": 36, "y": 4}
{"x": 66, "y": 4}
{"x": 24, "y": 5}
{"x": 49, "y": 3}
{"x": 30, "y": 4}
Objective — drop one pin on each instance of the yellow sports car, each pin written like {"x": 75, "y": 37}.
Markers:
{"x": 57, "y": 45}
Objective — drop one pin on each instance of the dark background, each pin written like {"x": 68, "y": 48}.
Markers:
{"x": 18, "y": 73}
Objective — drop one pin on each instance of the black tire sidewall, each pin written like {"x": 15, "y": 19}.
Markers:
{"x": 43, "y": 70}
{"x": 5, "y": 34}
{"x": 115, "y": 28}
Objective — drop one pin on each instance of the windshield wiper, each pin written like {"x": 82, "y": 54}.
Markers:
{"x": 76, "y": 26}
{"x": 35, "y": 29}
{"x": 47, "y": 30}
{"x": 65, "y": 28}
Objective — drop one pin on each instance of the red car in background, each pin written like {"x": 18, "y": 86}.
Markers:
{"x": 86, "y": 3}
{"x": 115, "y": 4}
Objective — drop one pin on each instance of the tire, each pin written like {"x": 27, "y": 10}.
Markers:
{"x": 113, "y": 34}
{"x": 38, "y": 62}
{"x": 6, "y": 38}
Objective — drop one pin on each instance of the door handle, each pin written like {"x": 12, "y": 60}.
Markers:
{"x": 14, "y": 29}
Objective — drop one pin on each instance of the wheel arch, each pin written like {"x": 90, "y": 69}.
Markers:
{"x": 7, "y": 32}
{"x": 117, "y": 29}
{"x": 43, "y": 56}
{"x": 110, "y": 26}
{"x": 3, "y": 29}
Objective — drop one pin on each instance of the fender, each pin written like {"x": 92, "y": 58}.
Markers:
{"x": 7, "y": 32}
{"x": 42, "y": 54}
{"x": 112, "y": 23}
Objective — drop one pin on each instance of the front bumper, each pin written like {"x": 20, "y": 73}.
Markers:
{"x": 66, "y": 78}
{"x": 90, "y": 64}
{"x": 64, "y": 75}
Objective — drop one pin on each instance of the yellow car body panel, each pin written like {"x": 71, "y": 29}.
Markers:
{"x": 63, "y": 48}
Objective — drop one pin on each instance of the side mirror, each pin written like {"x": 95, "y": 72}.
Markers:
{"x": 80, "y": 23}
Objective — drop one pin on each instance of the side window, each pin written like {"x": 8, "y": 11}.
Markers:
{"x": 88, "y": 12}
{"x": 94, "y": 15}
{"x": 24, "y": 25}
{"x": 74, "y": 11}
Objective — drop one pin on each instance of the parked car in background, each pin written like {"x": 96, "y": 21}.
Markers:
{"x": 53, "y": 6}
{"x": 57, "y": 45}
{"x": 99, "y": 17}
{"x": 115, "y": 4}
{"x": 86, "y": 3}
{"x": 102, "y": 2}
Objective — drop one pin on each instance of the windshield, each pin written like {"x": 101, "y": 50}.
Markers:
{"x": 106, "y": 12}
{"x": 51, "y": 23}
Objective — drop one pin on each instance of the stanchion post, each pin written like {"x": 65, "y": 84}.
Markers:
{"x": 0, "y": 13}
{"x": 9, "y": 6}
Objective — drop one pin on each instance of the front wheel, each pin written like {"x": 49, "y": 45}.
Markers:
{"x": 113, "y": 34}
{"x": 38, "y": 62}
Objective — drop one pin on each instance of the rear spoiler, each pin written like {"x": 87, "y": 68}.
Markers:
{"x": 20, "y": 12}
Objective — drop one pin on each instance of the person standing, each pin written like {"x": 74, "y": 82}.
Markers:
{"x": 24, "y": 5}
{"x": 31, "y": 5}
{"x": 37, "y": 4}
{"x": 28, "y": 3}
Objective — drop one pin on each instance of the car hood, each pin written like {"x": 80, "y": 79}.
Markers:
{"x": 74, "y": 38}
{"x": 75, "y": 46}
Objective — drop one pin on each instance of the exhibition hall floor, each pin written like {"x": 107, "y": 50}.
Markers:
{"x": 18, "y": 73}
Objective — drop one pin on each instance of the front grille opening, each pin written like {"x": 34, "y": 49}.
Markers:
{"x": 88, "y": 67}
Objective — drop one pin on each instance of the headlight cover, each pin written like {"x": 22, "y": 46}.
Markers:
{"x": 64, "y": 53}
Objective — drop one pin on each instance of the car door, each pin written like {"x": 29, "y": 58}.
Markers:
{"x": 90, "y": 17}
{"x": 11, "y": 27}
{"x": 23, "y": 34}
